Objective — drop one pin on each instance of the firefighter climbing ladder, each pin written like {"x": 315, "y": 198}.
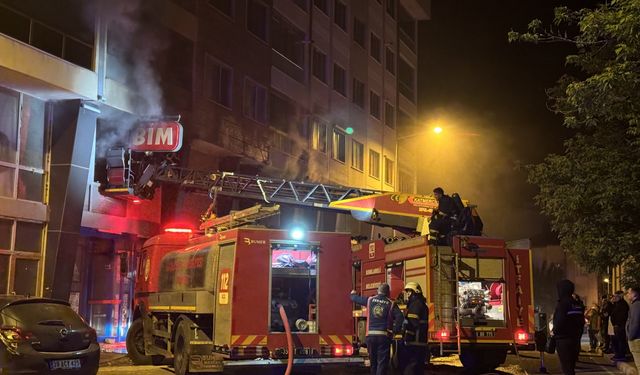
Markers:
{"x": 446, "y": 292}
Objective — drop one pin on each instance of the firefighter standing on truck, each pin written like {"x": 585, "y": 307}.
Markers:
{"x": 384, "y": 318}
{"x": 413, "y": 354}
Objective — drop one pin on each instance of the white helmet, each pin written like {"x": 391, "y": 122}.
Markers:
{"x": 413, "y": 286}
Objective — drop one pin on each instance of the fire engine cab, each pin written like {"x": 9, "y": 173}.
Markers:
{"x": 236, "y": 295}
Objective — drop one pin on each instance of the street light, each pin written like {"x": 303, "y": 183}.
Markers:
{"x": 436, "y": 130}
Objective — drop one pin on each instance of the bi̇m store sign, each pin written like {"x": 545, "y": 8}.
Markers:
{"x": 156, "y": 136}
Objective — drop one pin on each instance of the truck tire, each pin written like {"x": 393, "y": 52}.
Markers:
{"x": 182, "y": 349}
{"x": 135, "y": 346}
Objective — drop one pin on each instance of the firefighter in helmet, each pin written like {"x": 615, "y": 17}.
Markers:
{"x": 384, "y": 318}
{"x": 414, "y": 349}
{"x": 442, "y": 217}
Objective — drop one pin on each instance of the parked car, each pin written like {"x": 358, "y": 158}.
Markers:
{"x": 41, "y": 336}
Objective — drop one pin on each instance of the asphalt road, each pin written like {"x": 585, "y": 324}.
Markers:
{"x": 525, "y": 363}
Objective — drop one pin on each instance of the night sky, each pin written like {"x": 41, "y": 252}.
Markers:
{"x": 474, "y": 81}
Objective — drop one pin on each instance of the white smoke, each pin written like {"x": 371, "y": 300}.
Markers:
{"x": 134, "y": 47}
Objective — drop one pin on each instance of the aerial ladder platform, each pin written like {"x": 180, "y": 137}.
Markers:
{"x": 408, "y": 213}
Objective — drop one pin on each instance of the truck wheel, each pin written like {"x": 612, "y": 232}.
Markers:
{"x": 135, "y": 346}
{"x": 182, "y": 349}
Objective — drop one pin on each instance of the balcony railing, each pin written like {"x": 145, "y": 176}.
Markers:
{"x": 44, "y": 37}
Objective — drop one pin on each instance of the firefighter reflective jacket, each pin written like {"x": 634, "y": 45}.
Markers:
{"x": 384, "y": 318}
{"x": 415, "y": 322}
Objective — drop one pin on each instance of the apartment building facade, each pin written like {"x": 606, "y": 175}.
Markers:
{"x": 313, "y": 90}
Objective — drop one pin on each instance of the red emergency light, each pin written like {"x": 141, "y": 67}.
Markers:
{"x": 342, "y": 350}
{"x": 521, "y": 336}
{"x": 443, "y": 334}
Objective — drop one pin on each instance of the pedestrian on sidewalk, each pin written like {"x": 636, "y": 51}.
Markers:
{"x": 593, "y": 323}
{"x": 633, "y": 324}
{"x": 619, "y": 315}
{"x": 605, "y": 312}
{"x": 568, "y": 324}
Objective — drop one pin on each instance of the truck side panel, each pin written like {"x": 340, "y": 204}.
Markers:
{"x": 251, "y": 287}
{"x": 521, "y": 291}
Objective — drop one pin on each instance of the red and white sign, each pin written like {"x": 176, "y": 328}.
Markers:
{"x": 156, "y": 136}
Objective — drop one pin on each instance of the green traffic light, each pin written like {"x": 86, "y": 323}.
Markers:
{"x": 349, "y": 130}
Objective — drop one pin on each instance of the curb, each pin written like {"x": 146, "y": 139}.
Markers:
{"x": 627, "y": 368}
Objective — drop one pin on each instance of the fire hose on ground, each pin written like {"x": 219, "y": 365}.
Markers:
{"x": 287, "y": 330}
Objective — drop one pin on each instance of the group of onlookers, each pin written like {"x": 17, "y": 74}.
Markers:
{"x": 613, "y": 325}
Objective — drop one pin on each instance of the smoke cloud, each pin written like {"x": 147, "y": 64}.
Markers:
{"x": 134, "y": 47}
{"x": 478, "y": 159}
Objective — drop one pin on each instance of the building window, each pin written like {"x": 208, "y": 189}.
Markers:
{"x": 23, "y": 256}
{"x": 357, "y": 155}
{"x": 338, "y": 151}
{"x": 302, "y": 4}
{"x": 218, "y": 82}
{"x": 258, "y": 19}
{"x": 319, "y": 135}
{"x": 374, "y": 164}
{"x": 358, "y": 93}
{"x": 340, "y": 14}
{"x": 391, "y": 8}
{"x": 339, "y": 79}
{"x": 406, "y": 76}
{"x": 323, "y": 5}
{"x": 319, "y": 65}
{"x": 287, "y": 40}
{"x": 388, "y": 171}
{"x": 22, "y": 146}
{"x": 255, "y": 101}
{"x": 389, "y": 115}
{"x": 374, "y": 104}
{"x": 225, "y": 6}
{"x": 406, "y": 28}
{"x": 390, "y": 61}
{"x": 376, "y": 51}
{"x": 359, "y": 32}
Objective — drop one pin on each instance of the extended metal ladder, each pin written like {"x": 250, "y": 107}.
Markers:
{"x": 269, "y": 190}
{"x": 447, "y": 280}
{"x": 239, "y": 218}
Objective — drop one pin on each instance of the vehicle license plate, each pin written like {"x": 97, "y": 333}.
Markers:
{"x": 64, "y": 364}
{"x": 485, "y": 333}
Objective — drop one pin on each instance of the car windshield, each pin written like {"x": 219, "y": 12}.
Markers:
{"x": 27, "y": 314}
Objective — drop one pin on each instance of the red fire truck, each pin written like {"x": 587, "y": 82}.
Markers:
{"x": 210, "y": 300}
{"x": 479, "y": 289}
